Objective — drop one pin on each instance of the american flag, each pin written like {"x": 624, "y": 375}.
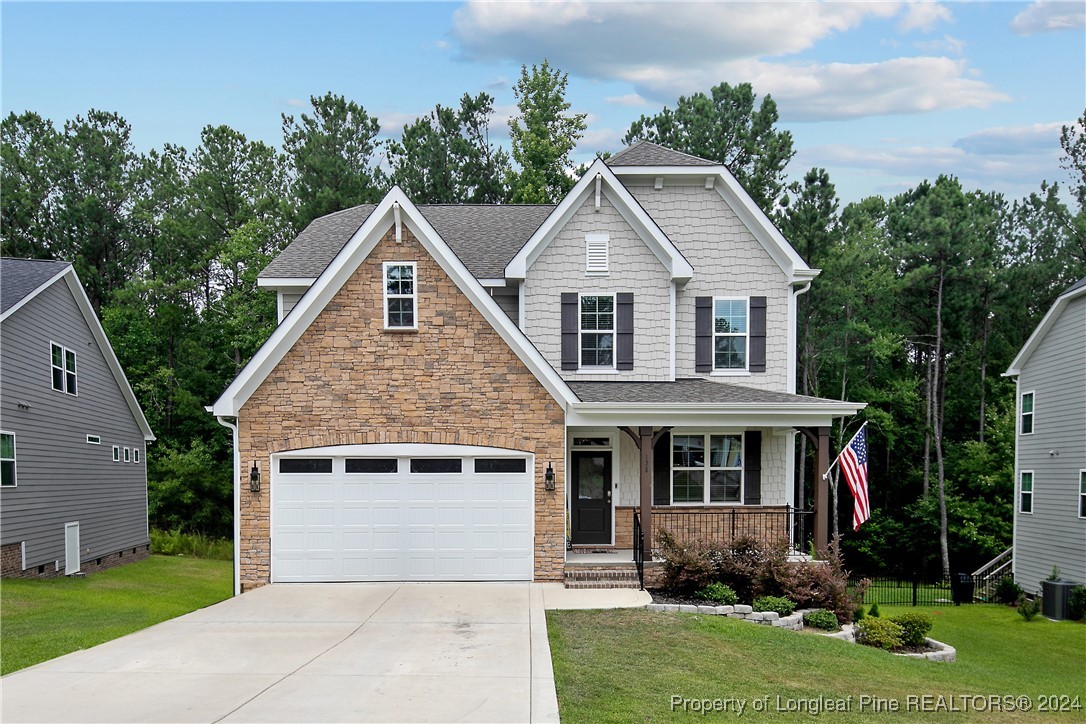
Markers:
{"x": 853, "y": 460}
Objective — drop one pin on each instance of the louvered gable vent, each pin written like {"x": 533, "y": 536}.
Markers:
{"x": 596, "y": 253}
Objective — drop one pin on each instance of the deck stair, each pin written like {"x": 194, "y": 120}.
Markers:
{"x": 988, "y": 576}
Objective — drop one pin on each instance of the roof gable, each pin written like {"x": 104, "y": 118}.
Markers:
{"x": 394, "y": 209}
{"x": 1076, "y": 290}
{"x": 22, "y": 279}
{"x": 67, "y": 273}
{"x": 647, "y": 153}
{"x": 597, "y": 179}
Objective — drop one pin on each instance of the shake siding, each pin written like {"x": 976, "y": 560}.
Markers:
{"x": 1054, "y": 534}
{"x": 728, "y": 262}
{"x": 60, "y": 477}
{"x": 633, "y": 268}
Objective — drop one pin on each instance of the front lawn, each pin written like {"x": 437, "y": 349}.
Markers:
{"x": 43, "y": 619}
{"x": 628, "y": 665}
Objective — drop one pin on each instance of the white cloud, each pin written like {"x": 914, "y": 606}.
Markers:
{"x": 392, "y": 122}
{"x": 1038, "y": 138}
{"x": 630, "y": 99}
{"x": 668, "y": 49}
{"x": 946, "y": 44}
{"x": 923, "y": 16}
{"x": 296, "y": 103}
{"x": 442, "y": 44}
{"x": 1046, "y": 16}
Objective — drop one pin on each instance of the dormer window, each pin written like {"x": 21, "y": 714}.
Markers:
{"x": 597, "y": 331}
{"x": 597, "y": 255}
{"x": 401, "y": 295}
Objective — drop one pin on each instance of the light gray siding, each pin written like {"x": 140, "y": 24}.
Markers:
{"x": 1054, "y": 535}
{"x": 61, "y": 478}
{"x": 728, "y": 262}
{"x": 633, "y": 268}
{"x": 287, "y": 302}
{"x": 510, "y": 304}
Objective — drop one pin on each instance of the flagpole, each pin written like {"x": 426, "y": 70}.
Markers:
{"x": 826, "y": 475}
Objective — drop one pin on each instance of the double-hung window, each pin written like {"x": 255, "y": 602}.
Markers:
{"x": 598, "y": 331}
{"x": 401, "y": 295}
{"x": 1025, "y": 496}
{"x": 62, "y": 361}
{"x": 7, "y": 459}
{"x": 730, "y": 333}
{"x": 707, "y": 469}
{"x": 1026, "y": 427}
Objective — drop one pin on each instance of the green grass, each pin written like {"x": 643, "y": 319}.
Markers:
{"x": 625, "y": 665}
{"x": 197, "y": 545}
{"x": 43, "y": 619}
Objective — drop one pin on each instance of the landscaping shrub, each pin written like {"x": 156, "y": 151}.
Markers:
{"x": 915, "y": 627}
{"x": 750, "y": 568}
{"x": 858, "y": 614}
{"x": 717, "y": 593}
{"x": 194, "y": 545}
{"x": 880, "y": 633}
{"x": 780, "y": 604}
{"x": 1007, "y": 591}
{"x": 824, "y": 584}
{"x": 687, "y": 568}
{"x": 873, "y": 612}
{"x": 821, "y": 619}
{"x": 1076, "y": 604}
{"x": 1028, "y": 607}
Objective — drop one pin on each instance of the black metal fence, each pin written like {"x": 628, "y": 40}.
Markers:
{"x": 769, "y": 526}
{"x": 919, "y": 591}
{"x": 639, "y": 549}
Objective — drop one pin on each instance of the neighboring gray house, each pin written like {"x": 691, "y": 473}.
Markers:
{"x": 1050, "y": 446}
{"x": 73, "y": 476}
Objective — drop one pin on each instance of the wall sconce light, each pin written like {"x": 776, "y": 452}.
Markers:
{"x": 254, "y": 479}
{"x": 548, "y": 478}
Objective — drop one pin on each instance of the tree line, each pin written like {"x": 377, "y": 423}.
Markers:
{"x": 923, "y": 301}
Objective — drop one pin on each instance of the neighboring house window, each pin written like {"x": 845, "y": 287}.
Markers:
{"x": 1027, "y": 413}
{"x": 135, "y": 455}
{"x": 597, "y": 331}
{"x": 729, "y": 334}
{"x": 127, "y": 455}
{"x": 7, "y": 459}
{"x": 116, "y": 454}
{"x": 62, "y": 361}
{"x": 400, "y": 295}
{"x": 1025, "y": 504}
{"x": 94, "y": 440}
{"x": 596, "y": 254}
{"x": 703, "y": 479}
{"x": 1082, "y": 493}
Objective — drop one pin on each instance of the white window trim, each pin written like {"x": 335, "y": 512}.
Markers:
{"x": 1081, "y": 493}
{"x": 116, "y": 453}
{"x": 14, "y": 459}
{"x": 597, "y": 242}
{"x": 63, "y": 368}
{"x": 128, "y": 455}
{"x": 1031, "y": 413}
{"x": 708, "y": 470}
{"x": 94, "y": 439}
{"x": 136, "y": 455}
{"x": 414, "y": 296}
{"x": 1032, "y": 491}
{"x": 743, "y": 371}
{"x": 581, "y": 331}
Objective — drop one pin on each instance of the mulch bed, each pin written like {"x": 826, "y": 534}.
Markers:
{"x": 661, "y": 596}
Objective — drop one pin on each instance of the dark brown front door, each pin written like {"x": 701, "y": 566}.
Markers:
{"x": 591, "y": 491}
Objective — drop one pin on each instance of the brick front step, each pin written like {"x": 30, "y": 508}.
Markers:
{"x": 602, "y": 577}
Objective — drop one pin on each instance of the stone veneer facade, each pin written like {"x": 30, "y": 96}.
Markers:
{"x": 349, "y": 381}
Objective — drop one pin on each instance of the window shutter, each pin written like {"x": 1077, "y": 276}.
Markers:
{"x": 624, "y": 334}
{"x": 757, "y": 334}
{"x": 752, "y": 467}
{"x": 661, "y": 471}
{"x": 596, "y": 253}
{"x": 570, "y": 326}
{"x": 703, "y": 334}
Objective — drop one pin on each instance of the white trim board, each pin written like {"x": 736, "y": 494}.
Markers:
{"x": 1038, "y": 335}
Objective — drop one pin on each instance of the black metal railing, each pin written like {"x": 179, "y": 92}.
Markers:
{"x": 639, "y": 549}
{"x": 769, "y": 526}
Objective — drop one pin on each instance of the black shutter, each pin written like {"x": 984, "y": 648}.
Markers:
{"x": 570, "y": 328}
{"x": 661, "y": 471}
{"x": 757, "y": 334}
{"x": 703, "y": 334}
{"x": 624, "y": 331}
{"x": 752, "y": 467}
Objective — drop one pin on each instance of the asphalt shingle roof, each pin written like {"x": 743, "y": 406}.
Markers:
{"x": 647, "y": 153}
{"x": 1077, "y": 285}
{"x": 484, "y": 237}
{"x": 685, "y": 391}
{"x": 19, "y": 277}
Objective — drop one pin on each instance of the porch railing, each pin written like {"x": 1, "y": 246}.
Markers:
{"x": 722, "y": 525}
{"x": 639, "y": 549}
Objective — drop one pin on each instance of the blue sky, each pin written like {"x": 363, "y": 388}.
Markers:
{"x": 882, "y": 94}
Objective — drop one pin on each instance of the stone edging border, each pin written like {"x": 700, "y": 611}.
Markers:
{"x": 943, "y": 652}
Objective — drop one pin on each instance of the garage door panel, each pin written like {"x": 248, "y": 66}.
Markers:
{"x": 363, "y": 526}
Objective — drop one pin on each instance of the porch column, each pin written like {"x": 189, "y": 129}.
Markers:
{"x": 645, "y": 443}
{"x": 822, "y": 490}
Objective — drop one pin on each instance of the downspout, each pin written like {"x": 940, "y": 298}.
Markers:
{"x": 792, "y": 340}
{"x": 233, "y": 426}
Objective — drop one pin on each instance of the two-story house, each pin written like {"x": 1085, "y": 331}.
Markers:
{"x": 1050, "y": 446}
{"x": 73, "y": 474}
{"x": 458, "y": 392}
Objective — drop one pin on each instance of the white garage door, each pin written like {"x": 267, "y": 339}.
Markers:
{"x": 402, "y": 513}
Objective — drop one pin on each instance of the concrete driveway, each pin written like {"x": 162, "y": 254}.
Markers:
{"x": 314, "y": 653}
